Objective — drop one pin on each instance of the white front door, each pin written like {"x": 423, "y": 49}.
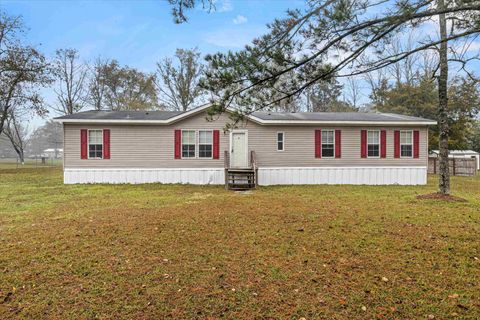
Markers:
{"x": 239, "y": 149}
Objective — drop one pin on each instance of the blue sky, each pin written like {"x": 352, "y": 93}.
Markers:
{"x": 140, "y": 33}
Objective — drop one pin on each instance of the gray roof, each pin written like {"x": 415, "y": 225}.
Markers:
{"x": 336, "y": 116}
{"x": 121, "y": 115}
{"x": 263, "y": 117}
{"x": 459, "y": 152}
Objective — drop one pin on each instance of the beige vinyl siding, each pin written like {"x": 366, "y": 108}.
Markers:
{"x": 144, "y": 146}
{"x": 299, "y": 147}
{"x": 152, "y": 146}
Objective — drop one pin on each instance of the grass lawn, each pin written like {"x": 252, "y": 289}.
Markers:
{"x": 160, "y": 251}
{"x": 9, "y": 163}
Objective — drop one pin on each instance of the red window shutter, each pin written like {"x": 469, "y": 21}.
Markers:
{"x": 416, "y": 144}
{"x": 178, "y": 144}
{"x": 216, "y": 144}
{"x": 83, "y": 144}
{"x": 396, "y": 144}
{"x": 363, "y": 143}
{"x": 106, "y": 143}
{"x": 318, "y": 143}
{"x": 383, "y": 144}
{"x": 338, "y": 143}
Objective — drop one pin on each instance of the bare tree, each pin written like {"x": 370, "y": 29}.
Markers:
{"x": 178, "y": 83}
{"x": 97, "y": 86}
{"x": 49, "y": 135}
{"x": 375, "y": 80}
{"x": 71, "y": 75}
{"x": 23, "y": 70}
{"x": 128, "y": 89}
{"x": 403, "y": 70}
{"x": 427, "y": 64}
{"x": 17, "y": 132}
{"x": 352, "y": 92}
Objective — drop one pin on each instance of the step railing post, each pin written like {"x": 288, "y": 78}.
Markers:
{"x": 225, "y": 165}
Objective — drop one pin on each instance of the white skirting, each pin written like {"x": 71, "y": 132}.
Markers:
{"x": 342, "y": 175}
{"x": 145, "y": 175}
{"x": 266, "y": 176}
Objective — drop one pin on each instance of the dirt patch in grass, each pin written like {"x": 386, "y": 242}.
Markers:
{"x": 440, "y": 196}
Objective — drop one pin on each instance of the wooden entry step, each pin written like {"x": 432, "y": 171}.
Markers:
{"x": 240, "y": 178}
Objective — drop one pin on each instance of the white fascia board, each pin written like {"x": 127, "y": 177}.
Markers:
{"x": 315, "y": 122}
{"x": 112, "y": 121}
{"x": 127, "y": 121}
{"x": 188, "y": 113}
{"x": 254, "y": 119}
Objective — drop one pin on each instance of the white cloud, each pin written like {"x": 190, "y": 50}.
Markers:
{"x": 240, "y": 19}
{"x": 234, "y": 38}
{"x": 224, "y": 5}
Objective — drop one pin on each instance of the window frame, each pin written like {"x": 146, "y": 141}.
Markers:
{"x": 194, "y": 144}
{"x": 379, "y": 144}
{"x": 405, "y": 144}
{"x": 283, "y": 141}
{"x": 88, "y": 144}
{"x": 198, "y": 143}
{"x": 322, "y": 143}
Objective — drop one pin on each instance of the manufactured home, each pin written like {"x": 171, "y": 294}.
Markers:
{"x": 266, "y": 148}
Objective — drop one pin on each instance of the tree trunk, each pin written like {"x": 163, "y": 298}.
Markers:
{"x": 19, "y": 152}
{"x": 444, "y": 174}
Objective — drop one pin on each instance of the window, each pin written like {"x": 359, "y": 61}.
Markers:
{"x": 406, "y": 144}
{"x": 205, "y": 144}
{"x": 328, "y": 143}
{"x": 188, "y": 144}
{"x": 280, "y": 141}
{"x": 373, "y": 144}
{"x": 95, "y": 144}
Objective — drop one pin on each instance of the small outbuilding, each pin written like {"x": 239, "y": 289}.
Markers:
{"x": 53, "y": 153}
{"x": 459, "y": 154}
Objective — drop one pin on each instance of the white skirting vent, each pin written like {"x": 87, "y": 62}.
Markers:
{"x": 266, "y": 176}
{"x": 340, "y": 175}
{"x": 136, "y": 176}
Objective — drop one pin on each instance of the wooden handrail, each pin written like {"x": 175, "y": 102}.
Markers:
{"x": 226, "y": 162}
{"x": 253, "y": 160}
{"x": 253, "y": 164}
